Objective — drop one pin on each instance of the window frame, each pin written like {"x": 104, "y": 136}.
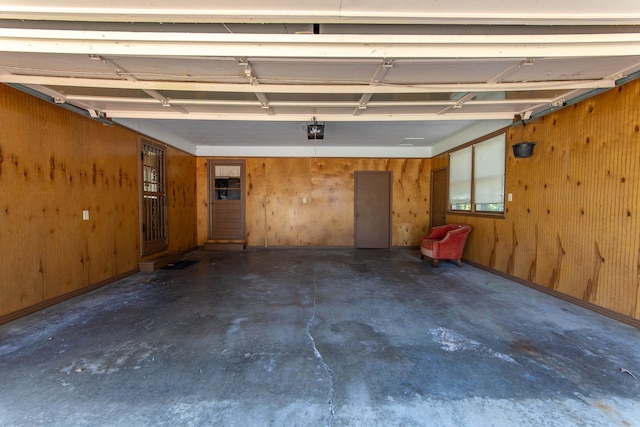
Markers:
{"x": 473, "y": 211}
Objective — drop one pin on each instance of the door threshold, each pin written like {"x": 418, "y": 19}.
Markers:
{"x": 225, "y": 245}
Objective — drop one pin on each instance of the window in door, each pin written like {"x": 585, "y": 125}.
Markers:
{"x": 153, "y": 210}
{"x": 227, "y": 182}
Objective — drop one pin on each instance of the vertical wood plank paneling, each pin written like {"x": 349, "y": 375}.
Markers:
{"x": 373, "y": 164}
{"x": 53, "y": 165}
{"x": 439, "y": 162}
{"x": 61, "y": 223}
{"x": 181, "y": 184}
{"x": 21, "y": 229}
{"x": 112, "y": 230}
{"x": 255, "y": 204}
{"x": 42, "y": 178}
{"x": 202, "y": 208}
{"x": 598, "y": 140}
{"x": 289, "y": 221}
{"x": 574, "y": 223}
{"x": 68, "y": 187}
{"x": 52, "y": 183}
{"x": 628, "y": 241}
{"x": 632, "y": 125}
{"x": 332, "y": 182}
{"x": 411, "y": 197}
{"x": 277, "y": 215}
{"x": 608, "y": 288}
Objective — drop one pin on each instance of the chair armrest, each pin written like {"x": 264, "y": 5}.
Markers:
{"x": 457, "y": 234}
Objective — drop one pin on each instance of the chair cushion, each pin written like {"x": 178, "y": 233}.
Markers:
{"x": 427, "y": 243}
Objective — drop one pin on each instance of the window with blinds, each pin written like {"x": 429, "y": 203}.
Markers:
{"x": 476, "y": 177}
{"x": 460, "y": 180}
{"x": 488, "y": 176}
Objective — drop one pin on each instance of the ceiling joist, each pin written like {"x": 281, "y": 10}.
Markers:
{"x": 303, "y": 117}
{"x": 306, "y": 88}
{"x": 318, "y": 46}
{"x": 461, "y": 12}
{"x": 172, "y": 68}
{"x": 252, "y": 79}
{"x": 339, "y": 104}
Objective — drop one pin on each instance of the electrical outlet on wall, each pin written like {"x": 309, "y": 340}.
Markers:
{"x": 85, "y": 215}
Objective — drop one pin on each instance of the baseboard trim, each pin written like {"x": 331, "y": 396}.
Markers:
{"x": 56, "y": 300}
{"x": 573, "y": 300}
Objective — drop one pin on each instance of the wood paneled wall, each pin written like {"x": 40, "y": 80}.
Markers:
{"x": 574, "y": 223}
{"x": 277, "y": 216}
{"x": 181, "y": 184}
{"x": 53, "y": 165}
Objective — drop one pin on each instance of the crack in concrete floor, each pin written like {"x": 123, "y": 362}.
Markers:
{"x": 316, "y": 352}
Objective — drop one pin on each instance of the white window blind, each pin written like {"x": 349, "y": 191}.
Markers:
{"x": 483, "y": 165}
{"x": 227, "y": 171}
{"x": 489, "y": 174}
{"x": 460, "y": 179}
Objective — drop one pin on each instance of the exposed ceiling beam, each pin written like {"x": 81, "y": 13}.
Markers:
{"x": 377, "y": 77}
{"x": 301, "y": 88}
{"x": 459, "y": 102}
{"x": 56, "y": 96}
{"x": 333, "y": 11}
{"x": 126, "y": 75}
{"x": 509, "y": 70}
{"x": 252, "y": 79}
{"x": 318, "y": 46}
{"x": 302, "y": 117}
{"x": 339, "y": 104}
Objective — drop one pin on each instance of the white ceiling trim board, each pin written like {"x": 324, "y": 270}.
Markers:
{"x": 314, "y": 151}
{"x": 302, "y": 117}
{"x": 343, "y": 104}
{"x": 305, "y": 11}
{"x": 194, "y": 76}
{"x": 319, "y": 46}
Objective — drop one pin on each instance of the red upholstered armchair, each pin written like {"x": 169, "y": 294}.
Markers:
{"x": 445, "y": 242}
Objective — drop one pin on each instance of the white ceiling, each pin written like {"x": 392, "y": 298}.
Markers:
{"x": 392, "y": 80}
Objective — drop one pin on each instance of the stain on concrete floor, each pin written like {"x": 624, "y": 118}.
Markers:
{"x": 325, "y": 337}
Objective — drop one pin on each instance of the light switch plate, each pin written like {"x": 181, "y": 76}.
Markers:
{"x": 85, "y": 215}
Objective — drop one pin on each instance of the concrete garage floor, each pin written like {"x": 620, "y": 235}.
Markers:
{"x": 318, "y": 337}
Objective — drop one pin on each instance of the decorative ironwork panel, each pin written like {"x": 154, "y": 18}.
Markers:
{"x": 154, "y": 198}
